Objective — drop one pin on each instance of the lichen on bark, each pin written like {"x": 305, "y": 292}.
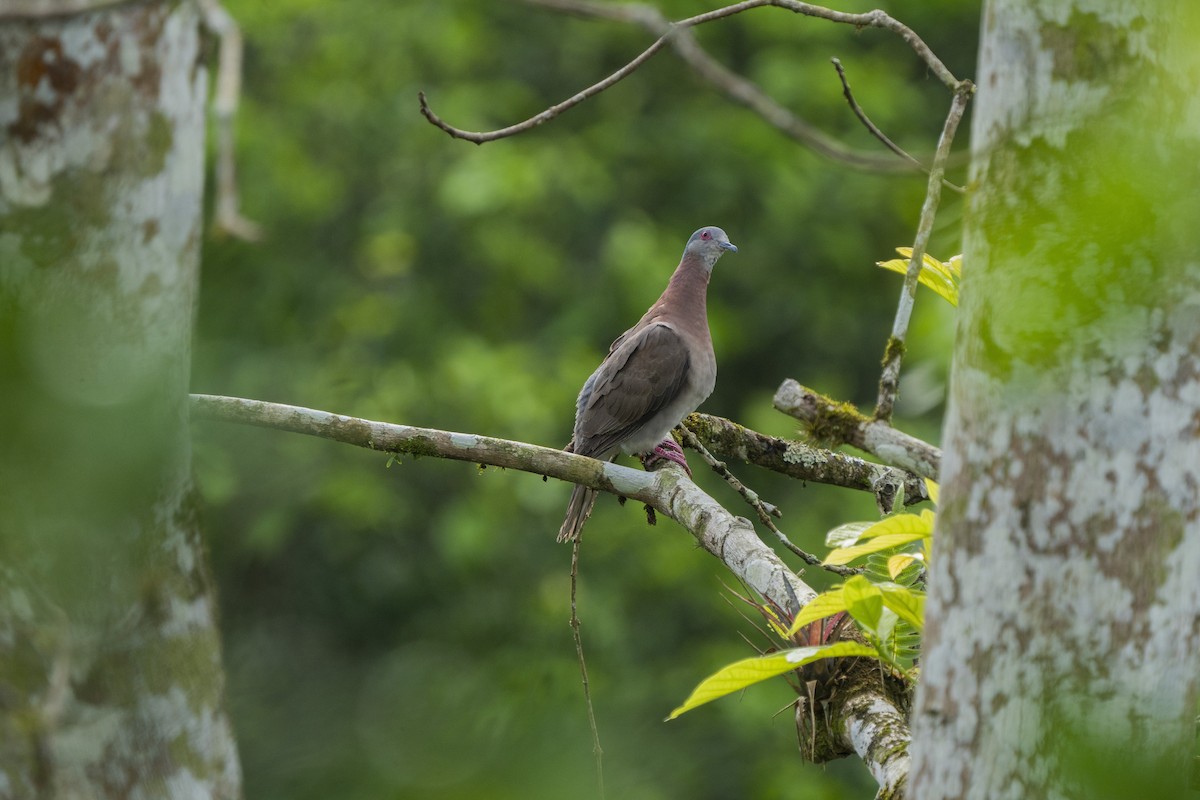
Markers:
{"x": 1060, "y": 624}
{"x": 107, "y": 611}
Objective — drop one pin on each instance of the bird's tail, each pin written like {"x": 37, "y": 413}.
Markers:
{"x": 578, "y": 510}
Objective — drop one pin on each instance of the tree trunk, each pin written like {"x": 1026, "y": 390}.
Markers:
{"x": 110, "y": 674}
{"x": 1064, "y": 612}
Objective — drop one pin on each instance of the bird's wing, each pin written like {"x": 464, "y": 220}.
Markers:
{"x": 641, "y": 376}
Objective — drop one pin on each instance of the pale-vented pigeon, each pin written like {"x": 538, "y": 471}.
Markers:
{"x": 655, "y": 374}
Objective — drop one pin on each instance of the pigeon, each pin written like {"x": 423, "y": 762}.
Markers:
{"x": 655, "y": 374}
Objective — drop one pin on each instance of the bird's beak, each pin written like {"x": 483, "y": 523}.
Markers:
{"x": 730, "y": 246}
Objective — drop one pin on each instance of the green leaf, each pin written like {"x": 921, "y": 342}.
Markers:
{"x": 847, "y": 534}
{"x": 901, "y": 523}
{"x": 864, "y": 601}
{"x": 876, "y": 545}
{"x": 823, "y": 605}
{"x": 898, "y": 562}
{"x": 933, "y": 490}
{"x": 883, "y": 632}
{"x": 941, "y": 276}
{"x": 889, "y": 532}
{"x": 909, "y": 604}
{"x": 750, "y": 671}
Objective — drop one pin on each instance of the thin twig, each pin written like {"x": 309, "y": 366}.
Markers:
{"x": 735, "y": 87}
{"x": 866, "y": 121}
{"x": 889, "y": 379}
{"x": 872, "y": 19}
{"x": 876, "y": 132}
{"x": 479, "y": 137}
{"x": 227, "y": 216}
{"x": 764, "y": 510}
{"x": 597, "y": 751}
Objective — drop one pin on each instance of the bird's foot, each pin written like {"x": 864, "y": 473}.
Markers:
{"x": 667, "y": 450}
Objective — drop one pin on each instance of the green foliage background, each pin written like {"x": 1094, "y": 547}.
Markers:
{"x": 402, "y": 632}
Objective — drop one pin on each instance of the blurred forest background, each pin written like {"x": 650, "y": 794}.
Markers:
{"x": 402, "y": 632}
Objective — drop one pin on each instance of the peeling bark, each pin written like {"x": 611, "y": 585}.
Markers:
{"x": 1063, "y": 623}
{"x": 110, "y": 668}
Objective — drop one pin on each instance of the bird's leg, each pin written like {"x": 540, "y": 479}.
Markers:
{"x": 667, "y": 450}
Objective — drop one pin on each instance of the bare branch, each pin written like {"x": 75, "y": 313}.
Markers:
{"x": 761, "y": 507}
{"x": 227, "y": 217}
{"x": 876, "y": 132}
{"x": 16, "y": 9}
{"x": 842, "y": 424}
{"x": 744, "y": 91}
{"x": 728, "y": 440}
{"x": 737, "y": 88}
{"x": 866, "y": 121}
{"x": 889, "y": 380}
{"x": 668, "y": 490}
{"x": 479, "y": 137}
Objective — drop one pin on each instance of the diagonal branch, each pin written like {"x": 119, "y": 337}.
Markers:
{"x": 889, "y": 380}
{"x": 872, "y": 19}
{"x": 876, "y": 132}
{"x": 866, "y": 121}
{"x": 764, "y": 510}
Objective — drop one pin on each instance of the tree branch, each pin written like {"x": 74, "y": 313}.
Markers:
{"x": 227, "y": 217}
{"x": 878, "y": 731}
{"x": 16, "y": 9}
{"x": 841, "y": 423}
{"x": 764, "y": 510}
{"x": 735, "y": 87}
{"x": 872, "y": 19}
{"x": 729, "y": 538}
{"x": 728, "y": 440}
{"x": 479, "y": 137}
{"x": 889, "y": 380}
{"x": 874, "y": 130}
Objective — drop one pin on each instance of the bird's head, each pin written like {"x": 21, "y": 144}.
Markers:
{"x": 709, "y": 244}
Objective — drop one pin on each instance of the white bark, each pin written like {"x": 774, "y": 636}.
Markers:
{"x": 1063, "y": 624}
{"x": 112, "y": 680}
{"x": 878, "y": 732}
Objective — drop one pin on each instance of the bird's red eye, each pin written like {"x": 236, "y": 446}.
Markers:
{"x": 706, "y": 235}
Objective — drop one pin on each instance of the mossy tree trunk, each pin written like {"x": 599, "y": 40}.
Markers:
{"x": 1061, "y": 650}
{"x": 110, "y": 672}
